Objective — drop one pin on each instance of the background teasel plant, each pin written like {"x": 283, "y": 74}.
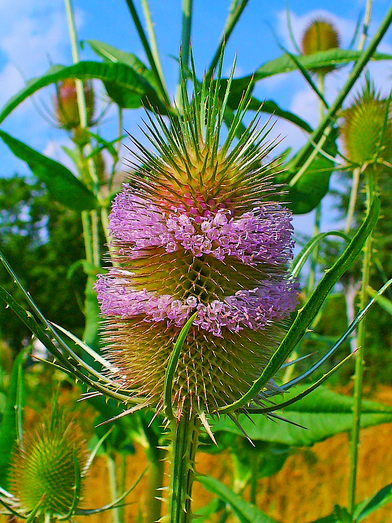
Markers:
{"x": 48, "y": 471}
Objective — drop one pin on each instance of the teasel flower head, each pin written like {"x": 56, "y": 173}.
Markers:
{"x": 197, "y": 229}
{"x": 46, "y": 467}
{"x": 367, "y": 128}
{"x": 320, "y": 35}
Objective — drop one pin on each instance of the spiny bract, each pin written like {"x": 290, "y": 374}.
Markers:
{"x": 197, "y": 229}
{"x": 44, "y": 465}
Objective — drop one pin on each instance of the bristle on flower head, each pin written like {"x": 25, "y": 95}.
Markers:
{"x": 197, "y": 229}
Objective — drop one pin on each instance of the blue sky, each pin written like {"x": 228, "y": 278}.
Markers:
{"x": 34, "y": 33}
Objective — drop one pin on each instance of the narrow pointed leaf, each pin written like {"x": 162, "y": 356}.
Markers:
{"x": 245, "y": 512}
{"x": 172, "y": 365}
{"x": 114, "y": 504}
{"x": 112, "y": 54}
{"x": 32, "y": 514}
{"x": 60, "y": 182}
{"x": 10, "y": 422}
{"x": 379, "y": 500}
{"x": 285, "y": 64}
{"x": 307, "y": 314}
{"x": 324, "y": 414}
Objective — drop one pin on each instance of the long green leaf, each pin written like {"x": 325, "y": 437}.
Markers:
{"x": 60, "y": 182}
{"x": 285, "y": 64}
{"x": 324, "y": 414}
{"x": 129, "y": 89}
{"x": 9, "y": 424}
{"x": 246, "y": 512}
{"x": 379, "y": 500}
{"x": 381, "y": 300}
{"x": 306, "y": 315}
{"x": 172, "y": 365}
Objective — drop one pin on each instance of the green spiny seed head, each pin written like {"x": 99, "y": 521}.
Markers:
{"x": 320, "y": 35}
{"x": 367, "y": 128}
{"x": 44, "y": 465}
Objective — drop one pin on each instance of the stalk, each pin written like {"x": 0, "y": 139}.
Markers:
{"x": 236, "y": 9}
{"x": 359, "y": 362}
{"x": 353, "y": 199}
{"x": 187, "y": 6}
{"x": 184, "y": 440}
{"x": 111, "y": 466}
{"x": 153, "y": 491}
{"x": 150, "y": 56}
{"x": 317, "y": 220}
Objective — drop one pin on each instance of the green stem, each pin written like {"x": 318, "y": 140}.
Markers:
{"x": 315, "y": 253}
{"x": 75, "y": 58}
{"x": 236, "y": 9}
{"x": 111, "y": 466}
{"x": 186, "y": 32}
{"x": 366, "y": 23}
{"x": 317, "y": 219}
{"x": 153, "y": 41}
{"x": 148, "y": 51}
{"x": 359, "y": 362}
{"x": 154, "y": 482}
{"x": 253, "y": 479}
{"x": 88, "y": 239}
{"x": 353, "y": 199}
{"x": 123, "y": 477}
{"x": 187, "y": 6}
{"x": 184, "y": 439}
{"x": 353, "y": 77}
{"x": 96, "y": 243}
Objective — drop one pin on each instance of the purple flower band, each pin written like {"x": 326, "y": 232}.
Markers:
{"x": 254, "y": 309}
{"x": 263, "y": 235}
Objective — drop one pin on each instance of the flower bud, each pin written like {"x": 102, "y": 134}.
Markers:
{"x": 44, "y": 465}
{"x": 320, "y": 35}
{"x": 367, "y": 130}
{"x": 66, "y": 104}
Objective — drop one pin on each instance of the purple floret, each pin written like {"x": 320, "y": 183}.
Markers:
{"x": 261, "y": 239}
{"x": 263, "y": 235}
{"x": 254, "y": 309}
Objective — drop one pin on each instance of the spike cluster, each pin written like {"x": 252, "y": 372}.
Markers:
{"x": 197, "y": 229}
{"x": 44, "y": 465}
{"x": 367, "y": 128}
